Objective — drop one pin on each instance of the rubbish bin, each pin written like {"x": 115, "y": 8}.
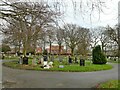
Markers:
{"x": 82, "y": 62}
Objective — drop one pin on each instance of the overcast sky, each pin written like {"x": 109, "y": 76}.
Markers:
{"x": 108, "y": 17}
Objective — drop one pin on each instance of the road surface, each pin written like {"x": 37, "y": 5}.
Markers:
{"x": 14, "y": 78}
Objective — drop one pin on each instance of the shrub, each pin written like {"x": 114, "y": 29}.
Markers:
{"x": 98, "y": 56}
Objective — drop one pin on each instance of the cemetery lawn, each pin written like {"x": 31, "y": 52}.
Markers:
{"x": 110, "y": 84}
{"x": 10, "y": 58}
{"x": 112, "y": 61}
{"x": 67, "y": 68}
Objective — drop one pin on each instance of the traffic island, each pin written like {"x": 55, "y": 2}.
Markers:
{"x": 89, "y": 67}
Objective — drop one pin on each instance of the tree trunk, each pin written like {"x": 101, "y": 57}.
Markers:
{"x": 19, "y": 49}
{"x": 50, "y": 47}
{"x": 66, "y": 49}
{"x": 15, "y": 49}
{"x": 72, "y": 51}
{"x": 59, "y": 49}
{"x": 35, "y": 49}
{"x": 24, "y": 49}
{"x": 102, "y": 46}
{"x": 59, "y": 52}
{"x": 19, "y": 46}
{"x": 44, "y": 46}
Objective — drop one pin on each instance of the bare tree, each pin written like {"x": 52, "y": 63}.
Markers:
{"x": 12, "y": 34}
{"x": 51, "y": 36}
{"x": 43, "y": 39}
{"x": 59, "y": 38}
{"x": 31, "y": 18}
{"x": 72, "y": 35}
{"x": 84, "y": 46}
{"x": 112, "y": 33}
{"x": 94, "y": 34}
{"x": 104, "y": 39}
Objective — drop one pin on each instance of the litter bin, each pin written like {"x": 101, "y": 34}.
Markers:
{"x": 82, "y": 62}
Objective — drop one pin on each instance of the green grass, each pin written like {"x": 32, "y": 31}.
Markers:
{"x": 67, "y": 68}
{"x": 77, "y": 68}
{"x": 112, "y": 61}
{"x": 11, "y": 58}
{"x": 110, "y": 84}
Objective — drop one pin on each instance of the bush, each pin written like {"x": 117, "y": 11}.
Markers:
{"x": 98, "y": 56}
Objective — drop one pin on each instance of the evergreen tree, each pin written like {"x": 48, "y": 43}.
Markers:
{"x": 98, "y": 56}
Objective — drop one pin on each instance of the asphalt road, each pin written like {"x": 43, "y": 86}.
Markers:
{"x": 14, "y": 78}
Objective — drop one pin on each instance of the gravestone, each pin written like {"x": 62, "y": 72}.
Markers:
{"x": 42, "y": 61}
{"x": 50, "y": 64}
{"x": 30, "y": 54}
{"x": 61, "y": 66}
{"x": 34, "y": 61}
{"x": 3, "y": 57}
{"x": 25, "y": 60}
{"x": 45, "y": 60}
{"x": 82, "y": 62}
{"x": 76, "y": 61}
{"x": 52, "y": 58}
{"x": 60, "y": 58}
{"x": 21, "y": 60}
{"x": 70, "y": 60}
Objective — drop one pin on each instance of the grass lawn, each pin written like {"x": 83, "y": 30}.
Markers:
{"x": 112, "y": 61}
{"x": 110, "y": 84}
{"x": 11, "y": 58}
{"x": 67, "y": 68}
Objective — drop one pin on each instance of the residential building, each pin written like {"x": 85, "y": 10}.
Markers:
{"x": 55, "y": 49}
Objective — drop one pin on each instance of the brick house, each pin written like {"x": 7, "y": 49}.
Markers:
{"x": 55, "y": 49}
{"x": 38, "y": 50}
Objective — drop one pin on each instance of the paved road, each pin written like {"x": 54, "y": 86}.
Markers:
{"x": 42, "y": 79}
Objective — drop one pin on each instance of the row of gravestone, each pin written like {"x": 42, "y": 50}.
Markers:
{"x": 82, "y": 61}
{"x": 24, "y": 60}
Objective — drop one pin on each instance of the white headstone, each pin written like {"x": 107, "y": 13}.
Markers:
{"x": 42, "y": 61}
{"x": 45, "y": 63}
{"x": 29, "y": 54}
{"x": 16, "y": 54}
{"x": 34, "y": 61}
